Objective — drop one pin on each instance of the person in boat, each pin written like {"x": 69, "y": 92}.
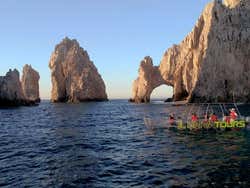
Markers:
{"x": 233, "y": 114}
{"x": 171, "y": 119}
{"x": 194, "y": 117}
{"x": 227, "y": 118}
{"x": 213, "y": 117}
{"x": 206, "y": 118}
{"x": 206, "y": 121}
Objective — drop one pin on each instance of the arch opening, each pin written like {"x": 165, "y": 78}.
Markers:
{"x": 162, "y": 93}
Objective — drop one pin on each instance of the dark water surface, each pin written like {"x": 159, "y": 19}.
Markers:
{"x": 109, "y": 145}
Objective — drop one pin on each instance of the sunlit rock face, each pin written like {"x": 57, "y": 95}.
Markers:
{"x": 231, "y": 3}
{"x": 30, "y": 84}
{"x": 74, "y": 76}
{"x": 11, "y": 89}
{"x": 212, "y": 64}
{"x": 14, "y": 92}
{"x": 148, "y": 79}
{"x": 237, "y": 3}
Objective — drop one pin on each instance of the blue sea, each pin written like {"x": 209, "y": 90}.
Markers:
{"x": 117, "y": 144}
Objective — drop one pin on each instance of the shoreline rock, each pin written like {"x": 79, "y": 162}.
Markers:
{"x": 74, "y": 76}
{"x": 212, "y": 64}
{"x": 169, "y": 100}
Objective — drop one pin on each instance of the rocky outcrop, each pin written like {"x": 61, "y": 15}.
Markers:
{"x": 13, "y": 92}
{"x": 235, "y": 3}
{"x": 212, "y": 64}
{"x": 74, "y": 76}
{"x": 149, "y": 78}
{"x": 11, "y": 89}
{"x": 30, "y": 84}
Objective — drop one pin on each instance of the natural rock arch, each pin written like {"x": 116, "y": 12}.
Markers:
{"x": 149, "y": 78}
{"x": 209, "y": 64}
{"x": 162, "y": 92}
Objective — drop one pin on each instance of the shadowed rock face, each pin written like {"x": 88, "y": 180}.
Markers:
{"x": 212, "y": 64}
{"x": 74, "y": 76}
{"x": 13, "y": 92}
{"x": 30, "y": 84}
{"x": 11, "y": 89}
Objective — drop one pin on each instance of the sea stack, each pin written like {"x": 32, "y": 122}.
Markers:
{"x": 212, "y": 64}
{"x": 30, "y": 84}
{"x": 13, "y": 92}
{"x": 74, "y": 76}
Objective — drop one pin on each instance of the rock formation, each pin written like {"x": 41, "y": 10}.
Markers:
{"x": 30, "y": 84}
{"x": 149, "y": 78}
{"x": 74, "y": 76}
{"x": 212, "y": 64}
{"x": 13, "y": 92}
{"x": 11, "y": 89}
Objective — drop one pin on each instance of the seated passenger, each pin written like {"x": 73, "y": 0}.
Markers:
{"x": 213, "y": 118}
{"x": 227, "y": 118}
{"x": 171, "y": 119}
{"x": 206, "y": 118}
{"x": 194, "y": 117}
{"x": 233, "y": 114}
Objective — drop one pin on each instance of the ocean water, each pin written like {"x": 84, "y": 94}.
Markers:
{"x": 116, "y": 144}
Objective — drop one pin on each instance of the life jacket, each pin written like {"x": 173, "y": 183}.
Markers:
{"x": 194, "y": 118}
{"x": 227, "y": 119}
{"x": 233, "y": 115}
{"x": 213, "y": 118}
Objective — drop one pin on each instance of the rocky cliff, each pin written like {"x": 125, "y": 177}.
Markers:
{"x": 11, "y": 89}
{"x": 30, "y": 84}
{"x": 13, "y": 92}
{"x": 212, "y": 64}
{"x": 74, "y": 76}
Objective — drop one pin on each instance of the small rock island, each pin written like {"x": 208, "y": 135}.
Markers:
{"x": 74, "y": 76}
{"x": 14, "y": 92}
{"x": 212, "y": 64}
{"x": 30, "y": 84}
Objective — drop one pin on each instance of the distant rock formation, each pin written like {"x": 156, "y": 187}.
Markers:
{"x": 74, "y": 76}
{"x": 30, "y": 84}
{"x": 149, "y": 78}
{"x": 212, "y": 64}
{"x": 12, "y": 89}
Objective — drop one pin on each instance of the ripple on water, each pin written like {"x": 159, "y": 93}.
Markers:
{"x": 108, "y": 145}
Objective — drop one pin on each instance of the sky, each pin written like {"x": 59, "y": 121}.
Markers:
{"x": 117, "y": 34}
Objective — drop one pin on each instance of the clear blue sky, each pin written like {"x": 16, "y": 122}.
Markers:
{"x": 116, "y": 33}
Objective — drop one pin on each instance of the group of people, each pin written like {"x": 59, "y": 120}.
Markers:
{"x": 228, "y": 117}
{"x": 212, "y": 118}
